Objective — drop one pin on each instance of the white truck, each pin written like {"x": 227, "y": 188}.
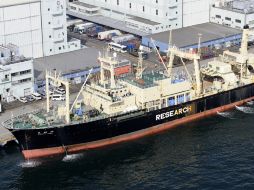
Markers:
{"x": 105, "y": 35}
{"x": 82, "y": 28}
{"x": 123, "y": 38}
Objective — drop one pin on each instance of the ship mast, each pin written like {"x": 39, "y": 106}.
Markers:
{"x": 242, "y": 58}
{"x": 58, "y": 80}
{"x": 107, "y": 64}
{"x": 140, "y": 68}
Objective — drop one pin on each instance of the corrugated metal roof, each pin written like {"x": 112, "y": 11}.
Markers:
{"x": 106, "y": 21}
{"x": 66, "y": 62}
{"x": 189, "y": 35}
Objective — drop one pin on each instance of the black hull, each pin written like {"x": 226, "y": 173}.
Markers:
{"x": 36, "y": 139}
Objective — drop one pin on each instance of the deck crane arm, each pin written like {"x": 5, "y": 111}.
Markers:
{"x": 81, "y": 89}
{"x": 192, "y": 57}
{"x": 157, "y": 51}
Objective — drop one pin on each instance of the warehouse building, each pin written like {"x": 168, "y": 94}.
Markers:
{"x": 16, "y": 74}
{"x": 148, "y": 16}
{"x": 234, "y": 13}
{"x": 212, "y": 35}
{"x": 38, "y": 27}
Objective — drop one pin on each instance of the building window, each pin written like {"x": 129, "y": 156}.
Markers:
{"x": 49, "y": 22}
{"x": 130, "y": 5}
{"x": 14, "y": 74}
{"x": 25, "y": 72}
{"x": 59, "y": 48}
{"x": 117, "y": 2}
{"x": 48, "y": 9}
{"x": 25, "y": 80}
{"x": 156, "y": 1}
{"x": 180, "y": 98}
{"x": 176, "y": 12}
{"x": 50, "y": 50}
{"x": 49, "y": 36}
{"x": 217, "y": 16}
{"x": 171, "y": 101}
{"x": 227, "y": 18}
{"x": 238, "y": 21}
{"x": 157, "y": 11}
{"x": 143, "y": 8}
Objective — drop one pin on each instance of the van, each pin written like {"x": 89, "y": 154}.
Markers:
{"x": 117, "y": 47}
{"x": 60, "y": 91}
{"x": 36, "y": 96}
{"x": 58, "y": 97}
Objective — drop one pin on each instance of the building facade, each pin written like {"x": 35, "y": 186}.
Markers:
{"x": 16, "y": 74}
{"x": 234, "y": 14}
{"x": 151, "y": 16}
{"x": 196, "y": 12}
{"x": 38, "y": 27}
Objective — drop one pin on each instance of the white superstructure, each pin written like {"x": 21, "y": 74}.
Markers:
{"x": 16, "y": 74}
{"x": 233, "y": 13}
{"x": 38, "y": 27}
{"x": 151, "y": 16}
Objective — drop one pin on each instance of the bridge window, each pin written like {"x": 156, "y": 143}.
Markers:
{"x": 171, "y": 101}
{"x": 180, "y": 98}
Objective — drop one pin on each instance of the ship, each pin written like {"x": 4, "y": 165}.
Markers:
{"x": 115, "y": 110}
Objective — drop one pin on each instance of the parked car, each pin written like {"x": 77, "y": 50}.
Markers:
{"x": 59, "y": 97}
{"x": 36, "y": 96}
{"x": 23, "y": 99}
{"x": 30, "y": 98}
{"x": 42, "y": 93}
{"x": 60, "y": 90}
{"x": 135, "y": 53}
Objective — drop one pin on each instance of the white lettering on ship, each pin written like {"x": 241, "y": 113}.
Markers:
{"x": 173, "y": 113}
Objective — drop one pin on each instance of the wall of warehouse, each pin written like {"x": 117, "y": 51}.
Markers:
{"x": 21, "y": 25}
{"x": 38, "y": 28}
{"x": 196, "y": 12}
{"x": 163, "y": 46}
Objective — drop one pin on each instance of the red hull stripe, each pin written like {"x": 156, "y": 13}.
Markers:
{"x": 45, "y": 152}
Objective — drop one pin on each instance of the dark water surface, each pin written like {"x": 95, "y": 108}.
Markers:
{"x": 214, "y": 153}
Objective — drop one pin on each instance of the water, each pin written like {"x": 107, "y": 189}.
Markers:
{"x": 214, "y": 153}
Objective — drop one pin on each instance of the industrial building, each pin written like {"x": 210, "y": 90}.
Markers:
{"x": 233, "y": 13}
{"x": 151, "y": 16}
{"x": 212, "y": 35}
{"x": 16, "y": 74}
{"x": 38, "y": 27}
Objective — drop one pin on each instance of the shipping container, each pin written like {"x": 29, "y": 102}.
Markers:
{"x": 122, "y": 70}
{"x": 82, "y": 28}
{"x": 93, "y": 31}
{"x": 123, "y": 38}
{"x": 105, "y": 35}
